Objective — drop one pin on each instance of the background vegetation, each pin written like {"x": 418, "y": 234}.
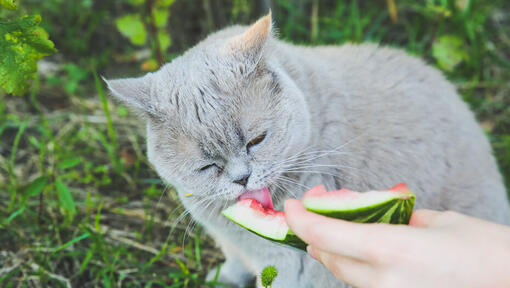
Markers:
{"x": 80, "y": 205}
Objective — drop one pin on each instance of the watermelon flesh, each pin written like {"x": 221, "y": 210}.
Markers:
{"x": 254, "y": 210}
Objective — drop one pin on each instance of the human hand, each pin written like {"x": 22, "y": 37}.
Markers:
{"x": 437, "y": 249}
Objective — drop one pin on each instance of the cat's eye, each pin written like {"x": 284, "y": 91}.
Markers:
{"x": 256, "y": 140}
{"x": 206, "y": 167}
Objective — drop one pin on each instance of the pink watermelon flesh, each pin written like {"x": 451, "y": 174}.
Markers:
{"x": 319, "y": 199}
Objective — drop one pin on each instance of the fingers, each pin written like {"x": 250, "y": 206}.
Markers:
{"x": 349, "y": 270}
{"x": 424, "y": 217}
{"x": 333, "y": 235}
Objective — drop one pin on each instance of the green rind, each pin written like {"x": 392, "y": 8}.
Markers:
{"x": 394, "y": 211}
{"x": 293, "y": 240}
{"x": 290, "y": 239}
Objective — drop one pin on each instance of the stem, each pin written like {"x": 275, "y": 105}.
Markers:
{"x": 156, "y": 49}
{"x": 209, "y": 16}
{"x": 109, "y": 123}
{"x": 392, "y": 10}
{"x": 12, "y": 158}
{"x": 314, "y": 27}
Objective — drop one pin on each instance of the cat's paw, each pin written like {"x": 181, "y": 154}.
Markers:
{"x": 229, "y": 276}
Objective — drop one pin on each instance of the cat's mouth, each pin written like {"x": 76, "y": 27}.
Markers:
{"x": 261, "y": 195}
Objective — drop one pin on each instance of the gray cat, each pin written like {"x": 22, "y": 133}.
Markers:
{"x": 242, "y": 110}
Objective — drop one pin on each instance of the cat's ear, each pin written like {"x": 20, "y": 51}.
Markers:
{"x": 133, "y": 92}
{"x": 250, "y": 44}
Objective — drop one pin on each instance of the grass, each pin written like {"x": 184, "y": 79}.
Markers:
{"x": 82, "y": 208}
{"x": 79, "y": 203}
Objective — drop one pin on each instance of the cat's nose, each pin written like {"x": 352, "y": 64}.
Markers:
{"x": 243, "y": 179}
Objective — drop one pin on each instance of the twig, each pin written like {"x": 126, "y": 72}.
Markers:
{"x": 7, "y": 270}
{"x": 66, "y": 281}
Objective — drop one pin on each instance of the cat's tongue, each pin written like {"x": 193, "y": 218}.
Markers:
{"x": 261, "y": 195}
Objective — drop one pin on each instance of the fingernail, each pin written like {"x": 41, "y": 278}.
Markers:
{"x": 309, "y": 250}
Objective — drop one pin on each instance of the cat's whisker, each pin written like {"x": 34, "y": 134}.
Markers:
{"x": 163, "y": 193}
{"x": 186, "y": 212}
{"x": 315, "y": 172}
{"x": 310, "y": 156}
{"x": 291, "y": 181}
{"x": 326, "y": 152}
{"x": 303, "y": 158}
{"x": 319, "y": 166}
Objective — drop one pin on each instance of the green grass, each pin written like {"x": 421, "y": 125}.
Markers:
{"x": 79, "y": 202}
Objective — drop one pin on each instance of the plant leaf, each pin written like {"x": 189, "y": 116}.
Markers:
{"x": 267, "y": 276}
{"x": 449, "y": 52}
{"x": 8, "y": 4}
{"x": 150, "y": 65}
{"x": 165, "y": 3}
{"x": 69, "y": 163}
{"x": 164, "y": 40}
{"x": 65, "y": 197}
{"x": 131, "y": 26}
{"x": 36, "y": 187}
{"x": 136, "y": 2}
{"x": 22, "y": 43}
{"x": 160, "y": 17}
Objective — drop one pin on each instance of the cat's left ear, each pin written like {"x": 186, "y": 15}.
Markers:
{"x": 250, "y": 44}
{"x": 134, "y": 92}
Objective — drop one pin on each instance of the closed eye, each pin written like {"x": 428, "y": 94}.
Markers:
{"x": 256, "y": 140}
{"x": 206, "y": 167}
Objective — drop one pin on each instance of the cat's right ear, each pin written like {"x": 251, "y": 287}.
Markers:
{"x": 134, "y": 92}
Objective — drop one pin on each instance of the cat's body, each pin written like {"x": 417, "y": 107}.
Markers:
{"x": 376, "y": 115}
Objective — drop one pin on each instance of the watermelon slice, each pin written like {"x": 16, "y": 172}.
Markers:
{"x": 266, "y": 222}
{"x": 394, "y": 205}
{"x": 254, "y": 210}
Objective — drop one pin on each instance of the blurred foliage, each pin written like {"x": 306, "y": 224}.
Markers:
{"x": 449, "y": 52}
{"x": 22, "y": 43}
{"x": 79, "y": 201}
{"x": 136, "y": 26}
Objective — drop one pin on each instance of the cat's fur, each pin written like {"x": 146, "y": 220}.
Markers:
{"x": 381, "y": 116}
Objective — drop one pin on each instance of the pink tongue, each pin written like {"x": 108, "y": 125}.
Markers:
{"x": 261, "y": 195}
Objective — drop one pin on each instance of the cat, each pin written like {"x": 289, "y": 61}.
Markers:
{"x": 243, "y": 110}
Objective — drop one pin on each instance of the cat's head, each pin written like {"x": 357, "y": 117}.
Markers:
{"x": 223, "y": 118}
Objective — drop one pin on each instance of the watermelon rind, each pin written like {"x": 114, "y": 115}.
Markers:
{"x": 284, "y": 236}
{"x": 396, "y": 210}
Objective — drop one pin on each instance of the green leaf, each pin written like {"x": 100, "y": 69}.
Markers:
{"x": 12, "y": 216}
{"x": 164, "y": 40}
{"x": 160, "y": 17}
{"x": 122, "y": 111}
{"x": 77, "y": 239}
{"x": 165, "y": 3}
{"x": 449, "y": 52}
{"x": 8, "y": 4}
{"x": 69, "y": 163}
{"x": 131, "y": 26}
{"x": 268, "y": 275}
{"x": 22, "y": 43}
{"x": 136, "y": 2}
{"x": 36, "y": 187}
{"x": 34, "y": 141}
{"x": 65, "y": 197}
